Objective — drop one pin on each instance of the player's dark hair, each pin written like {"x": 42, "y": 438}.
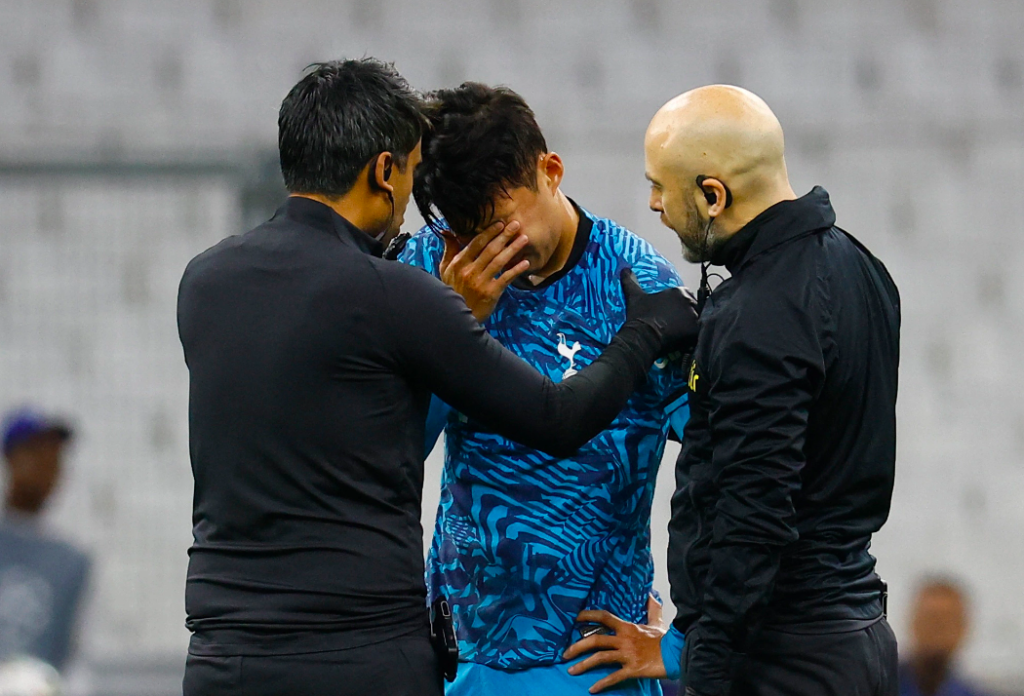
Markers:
{"x": 341, "y": 115}
{"x": 483, "y": 141}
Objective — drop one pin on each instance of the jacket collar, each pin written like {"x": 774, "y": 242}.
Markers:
{"x": 306, "y": 211}
{"x": 781, "y": 223}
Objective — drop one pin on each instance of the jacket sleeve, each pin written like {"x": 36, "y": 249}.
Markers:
{"x": 764, "y": 373}
{"x": 439, "y": 343}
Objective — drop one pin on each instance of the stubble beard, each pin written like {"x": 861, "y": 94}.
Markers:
{"x": 699, "y": 242}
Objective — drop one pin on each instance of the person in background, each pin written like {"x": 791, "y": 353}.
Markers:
{"x": 42, "y": 579}
{"x": 938, "y": 626}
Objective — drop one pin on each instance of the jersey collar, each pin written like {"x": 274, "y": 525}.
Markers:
{"x": 781, "y": 223}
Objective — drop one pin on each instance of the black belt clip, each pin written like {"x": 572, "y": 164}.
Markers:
{"x": 442, "y": 636}
{"x": 885, "y": 598}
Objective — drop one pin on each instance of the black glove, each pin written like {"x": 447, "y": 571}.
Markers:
{"x": 396, "y": 246}
{"x": 672, "y": 312}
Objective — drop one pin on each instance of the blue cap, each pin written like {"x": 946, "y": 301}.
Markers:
{"x": 26, "y": 423}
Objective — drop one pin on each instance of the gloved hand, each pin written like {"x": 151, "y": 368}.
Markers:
{"x": 396, "y": 246}
{"x": 672, "y": 312}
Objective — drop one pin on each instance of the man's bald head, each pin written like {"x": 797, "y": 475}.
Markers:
{"x": 728, "y": 135}
{"x": 718, "y": 130}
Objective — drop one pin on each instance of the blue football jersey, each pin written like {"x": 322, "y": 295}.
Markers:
{"x": 525, "y": 541}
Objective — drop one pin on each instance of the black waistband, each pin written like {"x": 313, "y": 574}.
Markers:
{"x": 814, "y": 628}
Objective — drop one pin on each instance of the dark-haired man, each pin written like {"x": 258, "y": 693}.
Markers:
{"x": 311, "y": 363}
{"x": 525, "y": 540}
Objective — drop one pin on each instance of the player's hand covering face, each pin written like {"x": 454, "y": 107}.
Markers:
{"x": 483, "y": 268}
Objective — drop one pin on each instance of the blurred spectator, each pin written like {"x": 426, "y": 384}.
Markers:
{"x": 939, "y": 624}
{"x": 42, "y": 579}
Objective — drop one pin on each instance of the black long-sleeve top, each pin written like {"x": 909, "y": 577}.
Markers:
{"x": 788, "y": 458}
{"x": 311, "y": 364}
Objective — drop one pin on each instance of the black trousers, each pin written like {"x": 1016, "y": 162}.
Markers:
{"x": 854, "y": 663}
{"x": 400, "y": 667}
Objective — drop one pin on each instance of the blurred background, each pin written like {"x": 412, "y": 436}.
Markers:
{"x": 134, "y": 134}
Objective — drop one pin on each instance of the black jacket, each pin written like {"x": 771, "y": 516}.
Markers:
{"x": 788, "y": 461}
{"x": 311, "y": 364}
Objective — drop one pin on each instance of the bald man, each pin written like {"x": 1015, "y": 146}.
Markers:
{"x": 788, "y": 458}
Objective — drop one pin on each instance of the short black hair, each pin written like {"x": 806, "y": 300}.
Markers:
{"x": 482, "y": 142}
{"x": 338, "y": 117}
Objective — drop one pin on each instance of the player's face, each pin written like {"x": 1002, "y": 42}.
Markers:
{"x": 539, "y": 213}
{"x": 526, "y": 207}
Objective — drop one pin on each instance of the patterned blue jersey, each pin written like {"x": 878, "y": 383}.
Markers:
{"x": 525, "y": 541}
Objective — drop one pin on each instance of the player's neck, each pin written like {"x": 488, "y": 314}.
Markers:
{"x": 569, "y": 222}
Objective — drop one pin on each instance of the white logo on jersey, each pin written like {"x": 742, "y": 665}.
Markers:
{"x": 569, "y": 354}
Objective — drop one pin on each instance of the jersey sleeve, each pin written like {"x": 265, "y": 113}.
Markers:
{"x": 653, "y": 271}
{"x": 672, "y": 644}
{"x": 437, "y": 418}
{"x": 425, "y": 250}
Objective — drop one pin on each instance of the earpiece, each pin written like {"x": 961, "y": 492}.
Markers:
{"x": 374, "y": 184}
{"x": 710, "y": 196}
{"x": 373, "y": 171}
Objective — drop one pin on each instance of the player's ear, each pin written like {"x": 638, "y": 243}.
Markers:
{"x": 550, "y": 171}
